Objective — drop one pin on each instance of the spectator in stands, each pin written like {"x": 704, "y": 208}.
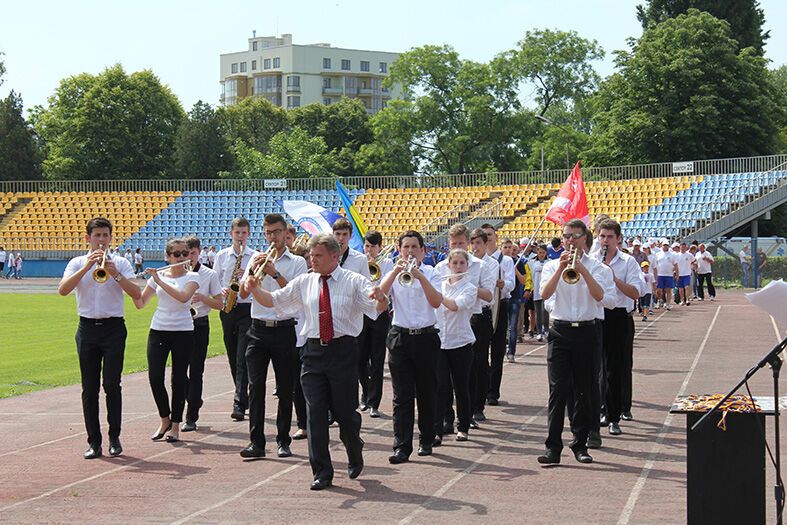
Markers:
{"x": 129, "y": 257}
{"x": 18, "y": 272}
{"x": 745, "y": 260}
{"x": 211, "y": 257}
{"x": 761, "y": 260}
{"x": 138, "y": 260}
{"x": 704, "y": 273}
{"x": 644, "y": 300}
{"x": 685, "y": 262}
{"x": 11, "y": 264}
{"x": 555, "y": 248}
{"x": 3, "y": 257}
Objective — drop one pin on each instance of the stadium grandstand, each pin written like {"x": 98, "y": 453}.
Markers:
{"x": 46, "y": 219}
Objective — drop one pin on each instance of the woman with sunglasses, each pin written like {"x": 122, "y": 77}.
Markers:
{"x": 171, "y": 330}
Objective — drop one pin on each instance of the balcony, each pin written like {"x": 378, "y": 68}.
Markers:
{"x": 332, "y": 91}
{"x": 293, "y": 89}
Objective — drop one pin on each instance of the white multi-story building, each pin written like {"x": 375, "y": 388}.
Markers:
{"x": 291, "y": 76}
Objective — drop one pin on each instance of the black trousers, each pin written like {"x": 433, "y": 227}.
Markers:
{"x": 197, "y": 368}
{"x": 618, "y": 350}
{"x": 236, "y": 327}
{"x": 412, "y": 360}
{"x": 498, "y": 342}
{"x": 297, "y": 390}
{"x": 330, "y": 382}
{"x": 479, "y": 377}
{"x": 101, "y": 342}
{"x": 701, "y": 279}
{"x": 570, "y": 368}
{"x": 160, "y": 344}
{"x": 453, "y": 378}
{"x": 371, "y": 358}
{"x": 598, "y": 387}
{"x": 270, "y": 345}
{"x": 628, "y": 372}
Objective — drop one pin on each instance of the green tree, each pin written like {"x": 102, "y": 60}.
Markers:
{"x": 778, "y": 78}
{"x": 746, "y": 17}
{"x": 2, "y": 68}
{"x": 19, "y": 159}
{"x": 200, "y": 149}
{"x": 254, "y": 121}
{"x": 109, "y": 126}
{"x": 292, "y": 155}
{"x": 684, "y": 91}
{"x": 391, "y": 150}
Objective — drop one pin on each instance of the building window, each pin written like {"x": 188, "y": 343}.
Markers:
{"x": 351, "y": 86}
{"x": 230, "y": 92}
{"x": 326, "y": 101}
{"x": 326, "y": 63}
{"x": 254, "y": 47}
{"x": 234, "y": 68}
{"x": 364, "y": 65}
{"x": 243, "y": 67}
{"x": 326, "y": 82}
{"x": 266, "y": 64}
{"x": 345, "y": 65}
{"x": 276, "y": 62}
{"x": 254, "y": 65}
{"x": 294, "y": 81}
{"x": 383, "y": 67}
{"x": 267, "y": 84}
{"x": 293, "y": 102}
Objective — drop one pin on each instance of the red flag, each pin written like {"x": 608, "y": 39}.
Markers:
{"x": 571, "y": 201}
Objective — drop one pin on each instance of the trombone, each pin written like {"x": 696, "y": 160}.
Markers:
{"x": 406, "y": 277}
{"x": 100, "y": 274}
{"x": 299, "y": 245}
{"x": 374, "y": 265}
{"x": 570, "y": 274}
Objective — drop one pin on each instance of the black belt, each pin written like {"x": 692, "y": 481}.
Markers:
{"x": 335, "y": 340}
{"x": 415, "y": 331}
{"x": 573, "y": 324}
{"x": 263, "y": 323}
{"x": 100, "y": 322}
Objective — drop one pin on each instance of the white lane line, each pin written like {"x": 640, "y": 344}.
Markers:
{"x": 776, "y": 329}
{"x": 625, "y": 515}
{"x": 257, "y": 485}
{"x": 470, "y": 468}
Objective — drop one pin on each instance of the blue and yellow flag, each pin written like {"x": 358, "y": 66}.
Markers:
{"x": 359, "y": 228}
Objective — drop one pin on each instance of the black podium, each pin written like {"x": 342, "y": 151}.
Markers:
{"x": 726, "y": 469}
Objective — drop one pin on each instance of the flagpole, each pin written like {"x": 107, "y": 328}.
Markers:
{"x": 530, "y": 241}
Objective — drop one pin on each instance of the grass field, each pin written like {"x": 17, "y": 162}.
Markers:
{"x": 37, "y": 348}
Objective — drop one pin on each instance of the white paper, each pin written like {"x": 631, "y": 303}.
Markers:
{"x": 772, "y": 299}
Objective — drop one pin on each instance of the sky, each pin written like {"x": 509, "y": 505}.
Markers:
{"x": 180, "y": 41}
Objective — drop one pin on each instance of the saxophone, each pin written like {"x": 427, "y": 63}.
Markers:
{"x": 232, "y": 295}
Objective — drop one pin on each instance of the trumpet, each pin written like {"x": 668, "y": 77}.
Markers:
{"x": 100, "y": 274}
{"x": 272, "y": 254}
{"x": 299, "y": 245}
{"x": 570, "y": 275}
{"x": 374, "y": 264}
{"x": 406, "y": 277}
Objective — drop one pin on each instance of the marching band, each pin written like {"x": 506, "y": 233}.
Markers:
{"x": 325, "y": 315}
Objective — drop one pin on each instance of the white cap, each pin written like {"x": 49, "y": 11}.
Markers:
{"x": 664, "y": 240}
{"x": 646, "y": 245}
{"x": 524, "y": 240}
{"x": 675, "y": 245}
{"x": 637, "y": 242}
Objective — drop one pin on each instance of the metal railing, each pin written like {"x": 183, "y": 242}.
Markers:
{"x": 503, "y": 178}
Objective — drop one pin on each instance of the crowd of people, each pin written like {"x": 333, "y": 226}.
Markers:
{"x": 10, "y": 264}
{"x": 325, "y": 316}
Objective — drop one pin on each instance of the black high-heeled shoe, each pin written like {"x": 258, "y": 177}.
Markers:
{"x": 159, "y": 435}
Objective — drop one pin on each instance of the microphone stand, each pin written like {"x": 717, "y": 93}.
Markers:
{"x": 771, "y": 358}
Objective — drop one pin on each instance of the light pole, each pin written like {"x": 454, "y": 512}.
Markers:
{"x": 549, "y": 122}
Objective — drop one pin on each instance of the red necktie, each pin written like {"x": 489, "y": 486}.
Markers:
{"x": 326, "y": 317}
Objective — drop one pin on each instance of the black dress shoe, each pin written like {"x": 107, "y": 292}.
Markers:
{"x": 473, "y": 424}
{"x": 115, "y": 449}
{"x": 320, "y": 484}
{"x": 252, "y": 451}
{"x": 583, "y": 456}
{"x": 438, "y": 441}
{"x": 188, "y": 426}
{"x": 626, "y": 416}
{"x": 284, "y": 451}
{"x": 424, "y": 451}
{"x": 171, "y": 439}
{"x": 159, "y": 435}
{"x": 354, "y": 469}
{"x": 550, "y": 457}
{"x": 398, "y": 457}
{"x": 373, "y": 412}
{"x": 479, "y": 416}
{"x": 594, "y": 439}
{"x": 492, "y": 402}
{"x": 364, "y": 407}
{"x": 238, "y": 415}
{"x": 448, "y": 428}
{"x": 93, "y": 453}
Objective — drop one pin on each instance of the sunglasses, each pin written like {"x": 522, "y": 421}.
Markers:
{"x": 184, "y": 253}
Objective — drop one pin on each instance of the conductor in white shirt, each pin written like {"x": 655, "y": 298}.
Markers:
{"x": 331, "y": 300}
{"x": 101, "y": 335}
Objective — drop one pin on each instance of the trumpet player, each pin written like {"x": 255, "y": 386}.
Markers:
{"x": 618, "y": 327}
{"x": 207, "y": 297}
{"x": 230, "y": 264}
{"x": 413, "y": 346}
{"x": 271, "y": 337}
{"x": 371, "y": 342}
{"x": 573, "y": 288}
{"x": 101, "y": 333}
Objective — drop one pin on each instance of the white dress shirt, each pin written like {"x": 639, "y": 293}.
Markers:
{"x": 625, "y": 268}
{"x": 455, "y": 329}
{"x": 665, "y": 263}
{"x": 473, "y": 272}
{"x": 225, "y": 263}
{"x": 490, "y": 270}
{"x": 703, "y": 262}
{"x": 536, "y": 268}
{"x": 349, "y": 293}
{"x": 356, "y": 262}
{"x": 684, "y": 260}
{"x": 410, "y": 306}
{"x": 386, "y": 266}
{"x": 573, "y": 302}
{"x": 506, "y": 273}
{"x": 208, "y": 285}
{"x": 94, "y": 300}
{"x": 290, "y": 266}
{"x": 171, "y": 315}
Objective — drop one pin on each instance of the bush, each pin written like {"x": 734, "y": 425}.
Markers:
{"x": 727, "y": 270}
